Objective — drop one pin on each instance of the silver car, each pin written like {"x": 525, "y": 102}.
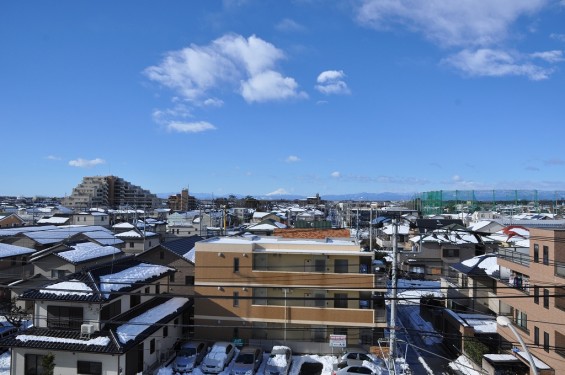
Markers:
{"x": 354, "y": 358}
{"x": 189, "y": 356}
{"x": 248, "y": 361}
{"x": 279, "y": 361}
{"x": 218, "y": 357}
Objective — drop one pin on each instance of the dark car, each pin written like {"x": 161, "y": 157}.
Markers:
{"x": 247, "y": 361}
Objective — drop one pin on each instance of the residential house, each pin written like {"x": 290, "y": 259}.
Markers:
{"x": 471, "y": 285}
{"x": 112, "y": 319}
{"x": 178, "y": 254}
{"x": 65, "y": 259}
{"x": 261, "y": 216}
{"x": 14, "y": 265}
{"x": 11, "y": 220}
{"x": 91, "y": 218}
{"x": 275, "y": 289}
{"x": 533, "y": 298}
{"x": 137, "y": 241}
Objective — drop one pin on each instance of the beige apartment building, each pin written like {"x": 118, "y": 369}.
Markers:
{"x": 286, "y": 290}
{"x": 533, "y": 297}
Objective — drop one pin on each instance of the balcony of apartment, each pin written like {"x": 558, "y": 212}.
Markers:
{"x": 300, "y": 306}
{"x": 514, "y": 281}
{"x": 519, "y": 256}
{"x": 321, "y": 271}
{"x": 560, "y": 269}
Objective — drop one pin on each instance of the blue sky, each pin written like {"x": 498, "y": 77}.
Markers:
{"x": 293, "y": 97}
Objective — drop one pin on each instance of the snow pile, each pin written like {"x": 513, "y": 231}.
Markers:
{"x": 99, "y": 341}
{"x": 134, "y": 327}
{"x": 72, "y": 287}
{"x": 116, "y": 281}
{"x": 191, "y": 255}
{"x": 464, "y": 365}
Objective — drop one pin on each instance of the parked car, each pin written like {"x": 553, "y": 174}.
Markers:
{"x": 247, "y": 361}
{"x": 189, "y": 355}
{"x": 356, "y": 358}
{"x": 357, "y": 370}
{"x": 218, "y": 357}
{"x": 279, "y": 361}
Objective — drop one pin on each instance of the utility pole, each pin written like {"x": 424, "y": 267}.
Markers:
{"x": 394, "y": 282}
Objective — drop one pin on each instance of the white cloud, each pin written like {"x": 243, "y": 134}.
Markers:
{"x": 331, "y": 82}
{"x": 456, "y": 178}
{"x": 292, "y": 159}
{"x": 559, "y": 37}
{"x": 288, "y": 25}
{"x": 496, "y": 63}
{"x": 190, "y": 127}
{"x": 248, "y": 65}
{"x": 213, "y": 102}
{"x": 549, "y": 56}
{"x": 336, "y": 174}
{"x": 447, "y": 22}
{"x": 82, "y": 163}
{"x": 279, "y": 191}
{"x": 53, "y": 157}
{"x": 269, "y": 86}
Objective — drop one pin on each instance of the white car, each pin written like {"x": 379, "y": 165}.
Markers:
{"x": 218, "y": 358}
{"x": 279, "y": 361}
{"x": 357, "y": 358}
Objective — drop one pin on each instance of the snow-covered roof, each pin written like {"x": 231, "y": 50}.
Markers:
{"x": 53, "y": 220}
{"x": 98, "y": 341}
{"x": 486, "y": 262}
{"x": 123, "y": 279}
{"x": 124, "y": 225}
{"x": 135, "y": 234}
{"x": 191, "y": 255}
{"x": 140, "y": 323}
{"x": 7, "y": 250}
{"x": 402, "y": 229}
{"x": 86, "y": 251}
{"x": 67, "y": 288}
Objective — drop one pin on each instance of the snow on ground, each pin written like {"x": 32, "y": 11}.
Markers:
{"x": 463, "y": 364}
{"x": 5, "y": 363}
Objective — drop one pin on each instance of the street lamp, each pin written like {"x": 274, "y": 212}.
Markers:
{"x": 503, "y": 321}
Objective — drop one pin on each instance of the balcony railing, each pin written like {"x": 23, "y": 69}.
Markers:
{"x": 514, "y": 256}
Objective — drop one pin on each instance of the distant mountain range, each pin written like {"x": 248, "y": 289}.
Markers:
{"x": 385, "y": 196}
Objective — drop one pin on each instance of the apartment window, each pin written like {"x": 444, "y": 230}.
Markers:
{"x": 157, "y": 288}
{"x": 111, "y": 310}
{"x": 57, "y": 274}
{"x": 464, "y": 281}
{"x": 189, "y": 280}
{"x": 546, "y": 341}
{"x": 152, "y": 346}
{"x": 341, "y": 266}
{"x": 89, "y": 368}
{"x": 131, "y": 244}
{"x": 172, "y": 277}
{"x": 33, "y": 364}
{"x": 546, "y": 298}
{"x": 536, "y": 336}
{"x": 235, "y": 264}
{"x": 546, "y": 255}
{"x": 521, "y": 319}
{"x": 165, "y": 331}
{"x": 235, "y": 299}
{"x": 560, "y": 343}
{"x": 340, "y": 300}
{"x": 536, "y": 253}
{"x": 147, "y": 290}
{"x": 536, "y": 294}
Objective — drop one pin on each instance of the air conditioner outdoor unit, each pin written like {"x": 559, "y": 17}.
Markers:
{"x": 86, "y": 329}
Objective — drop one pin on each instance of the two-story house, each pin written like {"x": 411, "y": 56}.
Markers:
{"x": 275, "y": 290}
{"x": 137, "y": 241}
{"x": 114, "y": 319}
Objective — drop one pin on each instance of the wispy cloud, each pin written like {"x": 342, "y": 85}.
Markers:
{"x": 559, "y": 37}
{"x": 450, "y": 23}
{"x": 532, "y": 168}
{"x": 248, "y": 65}
{"x": 83, "y": 163}
{"x": 554, "y": 161}
{"x": 289, "y": 25}
{"x": 331, "y": 82}
{"x": 496, "y": 63}
{"x": 335, "y": 174}
{"x": 478, "y": 28}
{"x": 292, "y": 159}
{"x": 52, "y": 157}
{"x": 190, "y": 127}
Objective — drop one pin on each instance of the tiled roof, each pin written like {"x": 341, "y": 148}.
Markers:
{"x": 183, "y": 245}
